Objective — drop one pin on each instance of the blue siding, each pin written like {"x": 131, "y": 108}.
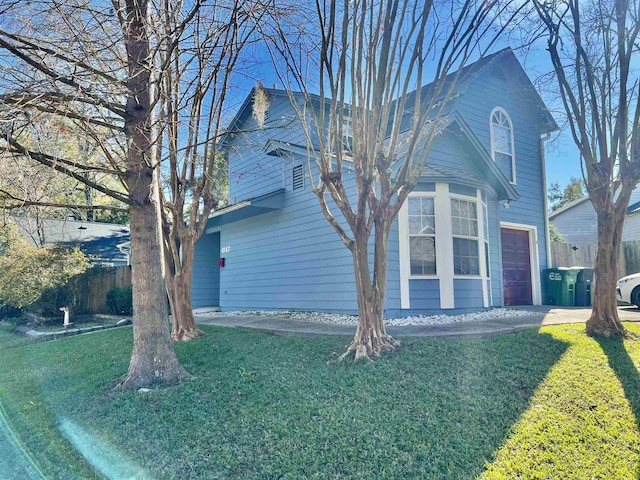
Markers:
{"x": 251, "y": 171}
{"x": 392, "y": 301}
{"x": 287, "y": 259}
{"x": 424, "y": 294}
{"x": 447, "y": 152}
{"x": 495, "y": 252}
{"x": 482, "y": 95}
{"x": 205, "y": 291}
{"x": 468, "y": 293}
{"x": 293, "y": 259}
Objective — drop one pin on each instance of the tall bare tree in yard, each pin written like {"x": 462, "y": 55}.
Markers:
{"x": 195, "y": 78}
{"x": 91, "y": 63}
{"x": 373, "y": 59}
{"x": 593, "y": 46}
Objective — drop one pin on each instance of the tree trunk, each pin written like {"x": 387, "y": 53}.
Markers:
{"x": 371, "y": 337}
{"x": 179, "y": 251}
{"x": 153, "y": 358}
{"x": 179, "y": 283}
{"x": 604, "y": 320}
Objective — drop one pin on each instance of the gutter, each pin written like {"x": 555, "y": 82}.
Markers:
{"x": 547, "y": 237}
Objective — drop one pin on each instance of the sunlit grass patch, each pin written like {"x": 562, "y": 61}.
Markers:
{"x": 581, "y": 423}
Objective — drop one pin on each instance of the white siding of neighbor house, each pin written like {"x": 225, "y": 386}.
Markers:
{"x": 631, "y": 228}
{"x": 579, "y": 224}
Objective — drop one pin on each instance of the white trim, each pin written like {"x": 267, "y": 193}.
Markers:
{"x": 484, "y": 268}
{"x": 444, "y": 245}
{"x": 536, "y": 291}
{"x": 403, "y": 253}
{"x": 445, "y": 275}
{"x": 513, "y": 144}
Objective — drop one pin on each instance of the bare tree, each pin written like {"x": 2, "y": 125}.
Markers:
{"x": 91, "y": 63}
{"x": 36, "y": 192}
{"x": 196, "y": 66}
{"x": 593, "y": 46}
{"x": 373, "y": 60}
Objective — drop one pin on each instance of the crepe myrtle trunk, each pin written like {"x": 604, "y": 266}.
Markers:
{"x": 179, "y": 282}
{"x": 604, "y": 320}
{"x": 371, "y": 337}
{"x": 153, "y": 358}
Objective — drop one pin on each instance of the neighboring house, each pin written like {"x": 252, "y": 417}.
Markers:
{"x": 578, "y": 223}
{"x": 105, "y": 244}
{"x": 472, "y": 235}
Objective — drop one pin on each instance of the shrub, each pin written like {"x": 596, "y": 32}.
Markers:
{"x": 27, "y": 272}
{"x": 11, "y": 314}
{"x": 120, "y": 300}
{"x": 49, "y": 303}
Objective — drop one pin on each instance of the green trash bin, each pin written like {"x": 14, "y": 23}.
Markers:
{"x": 584, "y": 284}
{"x": 560, "y": 286}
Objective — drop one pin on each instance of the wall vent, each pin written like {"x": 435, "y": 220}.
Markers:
{"x": 298, "y": 177}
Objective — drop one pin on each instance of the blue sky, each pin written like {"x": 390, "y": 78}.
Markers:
{"x": 562, "y": 159}
{"x": 562, "y": 156}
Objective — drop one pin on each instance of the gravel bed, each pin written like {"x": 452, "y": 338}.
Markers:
{"x": 341, "y": 319}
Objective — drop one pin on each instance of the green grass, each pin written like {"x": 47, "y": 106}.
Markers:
{"x": 9, "y": 338}
{"x": 548, "y": 404}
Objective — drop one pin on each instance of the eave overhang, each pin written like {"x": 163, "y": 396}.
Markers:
{"x": 252, "y": 207}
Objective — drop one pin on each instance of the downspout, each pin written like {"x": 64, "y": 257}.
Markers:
{"x": 547, "y": 237}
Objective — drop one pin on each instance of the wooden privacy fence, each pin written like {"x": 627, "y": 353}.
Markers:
{"x": 570, "y": 255}
{"x": 92, "y": 286}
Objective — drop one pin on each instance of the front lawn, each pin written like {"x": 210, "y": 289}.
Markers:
{"x": 9, "y": 338}
{"x": 548, "y": 404}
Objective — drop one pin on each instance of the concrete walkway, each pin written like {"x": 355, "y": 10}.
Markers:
{"x": 544, "y": 315}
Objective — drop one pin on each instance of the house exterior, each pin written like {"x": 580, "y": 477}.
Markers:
{"x": 472, "y": 235}
{"x": 578, "y": 223}
{"x": 105, "y": 244}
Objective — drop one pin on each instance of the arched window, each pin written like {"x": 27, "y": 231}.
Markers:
{"x": 502, "y": 149}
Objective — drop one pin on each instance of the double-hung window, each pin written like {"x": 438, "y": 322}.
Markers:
{"x": 347, "y": 138}
{"x": 464, "y": 227}
{"x": 422, "y": 236}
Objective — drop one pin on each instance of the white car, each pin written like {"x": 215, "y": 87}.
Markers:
{"x": 628, "y": 289}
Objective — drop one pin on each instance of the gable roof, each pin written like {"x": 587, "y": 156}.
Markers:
{"x": 469, "y": 73}
{"x": 245, "y": 111}
{"x": 463, "y": 76}
{"x": 632, "y": 209}
{"x": 506, "y": 55}
{"x": 470, "y": 143}
{"x": 568, "y": 206}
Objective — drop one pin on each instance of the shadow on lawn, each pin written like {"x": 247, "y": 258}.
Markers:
{"x": 626, "y": 371}
{"x": 491, "y": 388}
{"x": 436, "y": 409}
{"x": 261, "y": 406}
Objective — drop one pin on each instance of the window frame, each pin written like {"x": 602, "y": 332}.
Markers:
{"x": 432, "y": 196}
{"x": 445, "y": 277}
{"x": 471, "y": 201}
{"x": 347, "y": 138}
{"x": 501, "y": 111}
